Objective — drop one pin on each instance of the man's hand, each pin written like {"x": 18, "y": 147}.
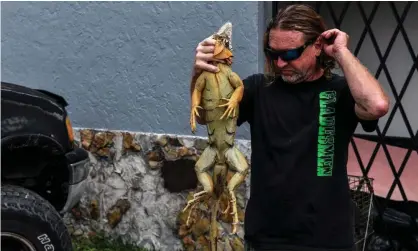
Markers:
{"x": 335, "y": 41}
{"x": 204, "y": 54}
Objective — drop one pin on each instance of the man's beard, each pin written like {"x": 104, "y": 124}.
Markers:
{"x": 295, "y": 78}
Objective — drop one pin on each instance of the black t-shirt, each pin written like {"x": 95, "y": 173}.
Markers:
{"x": 300, "y": 135}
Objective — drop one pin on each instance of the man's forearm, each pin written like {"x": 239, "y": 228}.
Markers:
{"x": 371, "y": 100}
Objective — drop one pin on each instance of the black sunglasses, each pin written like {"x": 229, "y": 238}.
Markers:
{"x": 287, "y": 55}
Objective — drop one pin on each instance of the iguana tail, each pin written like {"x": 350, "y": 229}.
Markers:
{"x": 214, "y": 225}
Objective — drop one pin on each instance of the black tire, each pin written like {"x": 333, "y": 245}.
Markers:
{"x": 28, "y": 215}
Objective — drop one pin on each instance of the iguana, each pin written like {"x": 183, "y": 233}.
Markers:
{"x": 218, "y": 95}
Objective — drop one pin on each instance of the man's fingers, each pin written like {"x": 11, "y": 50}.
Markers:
{"x": 327, "y": 34}
{"x": 204, "y": 56}
{"x": 204, "y": 53}
{"x": 208, "y": 41}
{"x": 332, "y": 31}
{"x": 205, "y": 49}
{"x": 205, "y": 66}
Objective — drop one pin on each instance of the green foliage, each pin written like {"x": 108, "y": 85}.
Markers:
{"x": 98, "y": 242}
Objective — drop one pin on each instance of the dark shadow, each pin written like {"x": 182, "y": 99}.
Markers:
{"x": 179, "y": 175}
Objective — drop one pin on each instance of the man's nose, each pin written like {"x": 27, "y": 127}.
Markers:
{"x": 280, "y": 63}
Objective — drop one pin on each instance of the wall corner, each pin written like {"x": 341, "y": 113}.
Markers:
{"x": 264, "y": 15}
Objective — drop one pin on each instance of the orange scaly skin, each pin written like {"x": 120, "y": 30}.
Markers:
{"x": 218, "y": 94}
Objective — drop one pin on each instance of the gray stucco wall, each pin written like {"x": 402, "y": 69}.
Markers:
{"x": 127, "y": 65}
{"x": 123, "y": 66}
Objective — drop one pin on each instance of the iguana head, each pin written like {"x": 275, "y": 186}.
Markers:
{"x": 223, "y": 38}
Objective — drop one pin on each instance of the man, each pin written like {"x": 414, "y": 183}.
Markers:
{"x": 302, "y": 118}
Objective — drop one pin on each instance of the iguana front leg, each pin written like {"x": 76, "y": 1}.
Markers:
{"x": 236, "y": 97}
{"x": 196, "y": 97}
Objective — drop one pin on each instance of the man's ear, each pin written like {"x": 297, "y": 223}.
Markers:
{"x": 318, "y": 44}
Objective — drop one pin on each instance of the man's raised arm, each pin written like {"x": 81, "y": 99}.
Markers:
{"x": 371, "y": 102}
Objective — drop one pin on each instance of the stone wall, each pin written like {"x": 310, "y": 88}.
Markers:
{"x": 138, "y": 187}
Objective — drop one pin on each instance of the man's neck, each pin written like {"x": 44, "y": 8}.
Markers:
{"x": 316, "y": 75}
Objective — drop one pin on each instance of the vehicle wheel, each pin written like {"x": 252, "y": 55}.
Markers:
{"x": 30, "y": 223}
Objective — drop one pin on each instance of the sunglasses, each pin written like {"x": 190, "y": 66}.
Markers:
{"x": 287, "y": 55}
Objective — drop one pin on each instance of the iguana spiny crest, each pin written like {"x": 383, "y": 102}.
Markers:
{"x": 223, "y": 38}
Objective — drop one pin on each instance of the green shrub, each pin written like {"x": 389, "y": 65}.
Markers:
{"x": 98, "y": 242}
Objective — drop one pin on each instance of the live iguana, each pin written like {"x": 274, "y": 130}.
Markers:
{"x": 218, "y": 95}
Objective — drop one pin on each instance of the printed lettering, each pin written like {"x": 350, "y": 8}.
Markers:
{"x": 44, "y": 240}
{"x": 326, "y": 133}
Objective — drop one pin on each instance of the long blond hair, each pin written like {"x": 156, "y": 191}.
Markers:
{"x": 302, "y": 18}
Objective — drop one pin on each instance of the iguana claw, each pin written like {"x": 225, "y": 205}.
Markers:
{"x": 234, "y": 212}
{"x": 197, "y": 197}
{"x": 227, "y": 209}
{"x": 194, "y": 112}
{"x": 232, "y": 105}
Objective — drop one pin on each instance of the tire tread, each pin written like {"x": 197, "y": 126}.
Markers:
{"x": 27, "y": 202}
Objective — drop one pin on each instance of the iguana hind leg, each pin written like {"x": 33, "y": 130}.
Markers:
{"x": 205, "y": 162}
{"x": 237, "y": 162}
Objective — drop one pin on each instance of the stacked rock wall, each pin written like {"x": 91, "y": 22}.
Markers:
{"x": 138, "y": 186}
